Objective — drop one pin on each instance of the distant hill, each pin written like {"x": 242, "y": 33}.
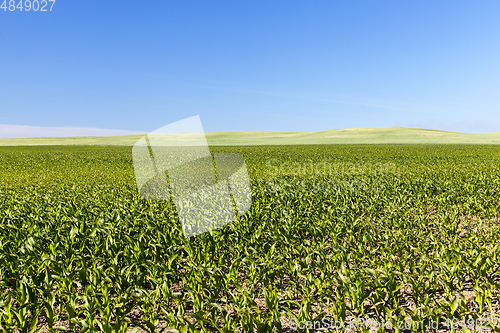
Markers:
{"x": 369, "y": 135}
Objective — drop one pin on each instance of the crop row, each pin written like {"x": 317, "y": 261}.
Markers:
{"x": 80, "y": 250}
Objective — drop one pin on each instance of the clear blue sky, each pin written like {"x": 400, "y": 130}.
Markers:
{"x": 253, "y": 65}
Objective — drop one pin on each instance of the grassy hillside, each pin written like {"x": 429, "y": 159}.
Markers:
{"x": 370, "y": 135}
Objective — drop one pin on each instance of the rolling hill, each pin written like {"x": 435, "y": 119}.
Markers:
{"x": 369, "y": 135}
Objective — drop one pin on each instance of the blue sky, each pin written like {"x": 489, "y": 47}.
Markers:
{"x": 252, "y": 65}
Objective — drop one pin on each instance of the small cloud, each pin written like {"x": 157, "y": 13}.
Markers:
{"x": 20, "y": 131}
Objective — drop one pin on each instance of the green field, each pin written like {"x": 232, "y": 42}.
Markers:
{"x": 388, "y": 232}
{"x": 373, "y": 135}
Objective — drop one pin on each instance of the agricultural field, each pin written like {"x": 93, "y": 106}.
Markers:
{"x": 391, "y": 233}
{"x": 367, "y": 135}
